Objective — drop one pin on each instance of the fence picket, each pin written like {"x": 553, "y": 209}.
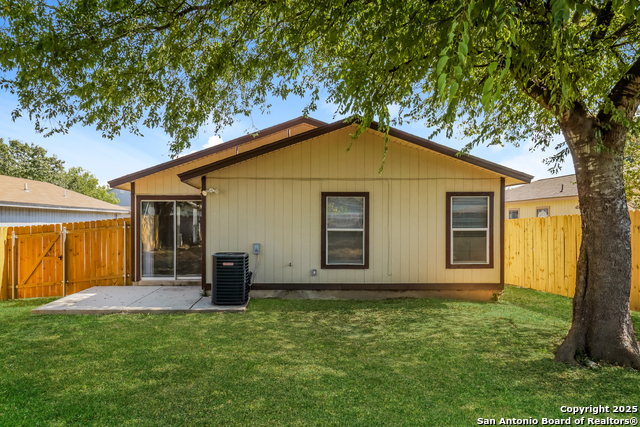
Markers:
{"x": 549, "y": 254}
{"x": 94, "y": 256}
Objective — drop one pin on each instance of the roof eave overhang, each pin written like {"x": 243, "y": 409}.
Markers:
{"x": 515, "y": 177}
{"x": 114, "y": 183}
{"x": 61, "y": 207}
{"x": 544, "y": 199}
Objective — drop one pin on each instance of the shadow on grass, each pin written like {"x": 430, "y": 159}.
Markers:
{"x": 307, "y": 305}
{"x": 557, "y": 306}
{"x": 300, "y": 362}
{"x": 27, "y": 302}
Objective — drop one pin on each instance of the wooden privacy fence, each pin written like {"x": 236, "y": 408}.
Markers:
{"x": 542, "y": 254}
{"x": 61, "y": 259}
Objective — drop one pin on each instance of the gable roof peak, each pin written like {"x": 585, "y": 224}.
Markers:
{"x": 215, "y": 149}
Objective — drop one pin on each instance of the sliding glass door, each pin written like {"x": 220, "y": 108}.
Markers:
{"x": 188, "y": 243}
{"x": 171, "y": 239}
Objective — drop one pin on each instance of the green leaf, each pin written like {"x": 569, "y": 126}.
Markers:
{"x": 463, "y": 49}
{"x": 492, "y": 67}
{"x": 453, "y": 89}
{"x": 486, "y": 101}
{"x": 488, "y": 85}
{"x": 457, "y": 72}
{"x": 441, "y": 82}
{"x": 441, "y": 63}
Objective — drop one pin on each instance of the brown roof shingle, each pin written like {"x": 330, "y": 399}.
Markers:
{"x": 45, "y": 195}
{"x": 549, "y": 188}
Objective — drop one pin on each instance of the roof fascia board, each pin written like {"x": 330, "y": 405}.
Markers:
{"x": 60, "y": 207}
{"x": 259, "y": 151}
{"x": 213, "y": 150}
{"x": 452, "y": 152}
{"x": 421, "y": 142}
{"x": 543, "y": 199}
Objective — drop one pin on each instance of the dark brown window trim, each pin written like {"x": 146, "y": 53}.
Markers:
{"x": 323, "y": 252}
{"x": 450, "y": 265}
{"x": 203, "y": 238}
{"x": 138, "y": 209}
{"x": 134, "y": 235}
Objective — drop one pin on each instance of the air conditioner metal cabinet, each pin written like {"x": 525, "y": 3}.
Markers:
{"x": 231, "y": 280}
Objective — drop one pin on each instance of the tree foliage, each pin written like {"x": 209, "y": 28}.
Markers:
{"x": 22, "y": 160}
{"x": 84, "y": 182}
{"x": 474, "y": 66}
{"x": 632, "y": 172}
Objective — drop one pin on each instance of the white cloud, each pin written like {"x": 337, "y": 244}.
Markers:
{"x": 213, "y": 140}
{"x": 185, "y": 153}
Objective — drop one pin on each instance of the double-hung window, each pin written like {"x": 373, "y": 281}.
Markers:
{"x": 542, "y": 212}
{"x": 345, "y": 230}
{"x": 470, "y": 230}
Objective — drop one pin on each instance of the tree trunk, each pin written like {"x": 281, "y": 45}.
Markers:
{"x": 601, "y": 328}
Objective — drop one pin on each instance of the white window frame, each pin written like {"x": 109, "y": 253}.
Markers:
{"x": 487, "y": 230}
{"x": 327, "y": 230}
{"x": 364, "y": 196}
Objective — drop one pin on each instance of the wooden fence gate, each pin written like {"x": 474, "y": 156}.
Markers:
{"x": 61, "y": 259}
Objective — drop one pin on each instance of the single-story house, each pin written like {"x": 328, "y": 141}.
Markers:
{"x": 28, "y": 202}
{"x": 327, "y": 222}
{"x": 543, "y": 198}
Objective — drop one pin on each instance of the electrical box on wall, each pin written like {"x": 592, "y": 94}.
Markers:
{"x": 256, "y": 248}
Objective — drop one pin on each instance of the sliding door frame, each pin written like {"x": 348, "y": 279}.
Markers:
{"x": 138, "y": 220}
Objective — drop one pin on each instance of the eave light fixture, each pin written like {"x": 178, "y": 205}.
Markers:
{"x": 210, "y": 190}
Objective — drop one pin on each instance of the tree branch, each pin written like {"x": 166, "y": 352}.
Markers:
{"x": 603, "y": 20}
{"x": 625, "y": 95}
{"x": 539, "y": 94}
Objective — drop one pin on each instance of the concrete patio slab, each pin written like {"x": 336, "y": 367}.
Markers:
{"x": 136, "y": 299}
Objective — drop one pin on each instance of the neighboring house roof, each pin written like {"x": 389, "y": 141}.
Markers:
{"x": 549, "y": 188}
{"x": 43, "y": 195}
{"x": 396, "y": 133}
{"x": 213, "y": 150}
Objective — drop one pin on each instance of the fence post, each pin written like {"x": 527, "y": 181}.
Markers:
{"x": 13, "y": 265}
{"x": 124, "y": 237}
{"x": 64, "y": 261}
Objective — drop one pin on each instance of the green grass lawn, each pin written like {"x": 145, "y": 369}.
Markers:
{"x": 365, "y": 363}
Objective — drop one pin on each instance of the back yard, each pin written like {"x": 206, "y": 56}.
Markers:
{"x": 396, "y": 362}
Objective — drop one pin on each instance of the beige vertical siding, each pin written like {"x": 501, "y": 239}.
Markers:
{"x": 275, "y": 200}
{"x": 168, "y": 183}
{"x": 563, "y": 206}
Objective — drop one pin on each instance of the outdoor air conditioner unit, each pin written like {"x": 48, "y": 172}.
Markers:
{"x": 231, "y": 278}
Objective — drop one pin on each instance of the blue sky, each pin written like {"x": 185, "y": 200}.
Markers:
{"x": 109, "y": 159}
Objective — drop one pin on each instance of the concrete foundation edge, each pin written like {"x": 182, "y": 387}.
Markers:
{"x": 470, "y": 295}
